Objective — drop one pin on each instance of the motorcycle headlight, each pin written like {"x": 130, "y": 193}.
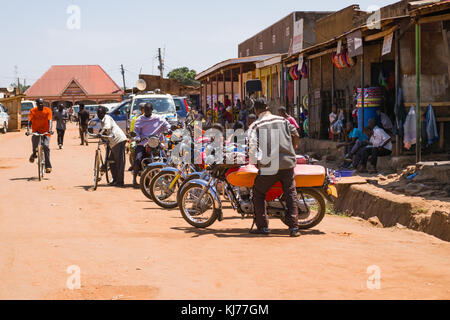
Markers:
{"x": 153, "y": 142}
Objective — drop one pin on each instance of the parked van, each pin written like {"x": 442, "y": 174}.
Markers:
{"x": 4, "y": 117}
{"x": 163, "y": 107}
{"x": 27, "y": 105}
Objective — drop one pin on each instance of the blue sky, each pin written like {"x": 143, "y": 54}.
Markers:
{"x": 197, "y": 33}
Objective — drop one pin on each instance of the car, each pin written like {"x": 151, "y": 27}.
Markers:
{"x": 163, "y": 106}
{"x": 74, "y": 116}
{"x": 92, "y": 109}
{"x": 26, "y": 106}
{"x": 4, "y": 117}
{"x": 182, "y": 107}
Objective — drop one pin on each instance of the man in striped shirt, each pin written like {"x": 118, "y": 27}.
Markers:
{"x": 272, "y": 144}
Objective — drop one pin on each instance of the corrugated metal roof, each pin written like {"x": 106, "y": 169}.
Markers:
{"x": 92, "y": 79}
{"x": 230, "y": 62}
{"x": 423, "y": 8}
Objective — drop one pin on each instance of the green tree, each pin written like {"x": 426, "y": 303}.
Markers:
{"x": 22, "y": 88}
{"x": 184, "y": 76}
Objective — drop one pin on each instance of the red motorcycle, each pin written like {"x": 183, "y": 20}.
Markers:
{"x": 201, "y": 206}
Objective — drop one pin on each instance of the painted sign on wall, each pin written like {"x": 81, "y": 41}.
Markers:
{"x": 297, "y": 43}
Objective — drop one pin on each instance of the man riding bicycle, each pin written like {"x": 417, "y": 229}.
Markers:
{"x": 40, "y": 121}
{"x": 146, "y": 126}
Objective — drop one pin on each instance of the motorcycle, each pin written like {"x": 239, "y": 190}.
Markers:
{"x": 151, "y": 169}
{"x": 200, "y": 204}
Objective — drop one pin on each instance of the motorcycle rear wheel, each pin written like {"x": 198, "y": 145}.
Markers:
{"x": 316, "y": 205}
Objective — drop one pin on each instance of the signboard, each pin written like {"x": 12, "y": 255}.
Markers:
{"x": 387, "y": 44}
{"x": 300, "y": 62}
{"x": 355, "y": 44}
{"x": 339, "y": 47}
{"x": 297, "y": 44}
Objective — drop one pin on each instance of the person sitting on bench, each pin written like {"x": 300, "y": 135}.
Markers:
{"x": 355, "y": 140}
{"x": 380, "y": 145}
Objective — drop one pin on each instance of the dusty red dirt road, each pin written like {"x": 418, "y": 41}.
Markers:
{"x": 127, "y": 248}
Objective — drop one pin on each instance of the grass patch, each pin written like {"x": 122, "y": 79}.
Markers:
{"x": 419, "y": 210}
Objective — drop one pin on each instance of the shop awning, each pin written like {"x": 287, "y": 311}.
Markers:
{"x": 231, "y": 62}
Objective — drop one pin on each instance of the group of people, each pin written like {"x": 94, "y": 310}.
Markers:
{"x": 227, "y": 113}
{"x": 40, "y": 121}
{"x": 373, "y": 142}
{"x": 145, "y": 125}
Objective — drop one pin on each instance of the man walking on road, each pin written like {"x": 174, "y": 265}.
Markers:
{"x": 83, "y": 122}
{"x": 40, "y": 121}
{"x": 277, "y": 139}
{"x": 60, "y": 117}
{"x": 117, "y": 143}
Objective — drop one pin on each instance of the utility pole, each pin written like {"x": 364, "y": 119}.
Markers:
{"x": 123, "y": 77}
{"x": 161, "y": 63}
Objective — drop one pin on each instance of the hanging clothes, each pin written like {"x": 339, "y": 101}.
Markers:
{"x": 410, "y": 128}
{"x": 400, "y": 114}
{"x": 432, "y": 131}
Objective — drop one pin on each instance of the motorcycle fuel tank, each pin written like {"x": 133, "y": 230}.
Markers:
{"x": 306, "y": 176}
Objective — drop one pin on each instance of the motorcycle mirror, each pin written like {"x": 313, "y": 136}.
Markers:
{"x": 210, "y": 159}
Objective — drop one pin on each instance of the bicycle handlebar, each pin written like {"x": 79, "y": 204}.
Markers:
{"x": 100, "y": 136}
{"x": 37, "y": 134}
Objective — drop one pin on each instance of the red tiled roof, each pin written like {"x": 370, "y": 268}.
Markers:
{"x": 92, "y": 79}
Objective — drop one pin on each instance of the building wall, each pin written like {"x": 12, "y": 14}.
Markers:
{"x": 277, "y": 38}
{"x": 434, "y": 76}
{"x": 337, "y": 23}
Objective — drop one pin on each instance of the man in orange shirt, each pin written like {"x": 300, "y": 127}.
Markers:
{"x": 40, "y": 121}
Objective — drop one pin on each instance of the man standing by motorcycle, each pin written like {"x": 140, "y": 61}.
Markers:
{"x": 146, "y": 125}
{"x": 272, "y": 144}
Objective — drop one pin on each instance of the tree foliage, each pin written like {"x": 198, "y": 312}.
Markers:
{"x": 22, "y": 87}
{"x": 184, "y": 75}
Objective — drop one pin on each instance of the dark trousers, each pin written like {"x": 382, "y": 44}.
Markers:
{"x": 60, "y": 136}
{"x": 46, "y": 140}
{"x": 118, "y": 167}
{"x": 83, "y": 132}
{"x": 263, "y": 184}
{"x": 374, "y": 153}
{"x": 348, "y": 149}
{"x": 139, "y": 156}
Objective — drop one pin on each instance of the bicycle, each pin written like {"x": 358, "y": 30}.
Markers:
{"x": 40, "y": 153}
{"x": 101, "y": 167}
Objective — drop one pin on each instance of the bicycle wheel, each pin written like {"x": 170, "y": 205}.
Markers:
{"x": 97, "y": 169}
{"x": 107, "y": 167}
{"x": 39, "y": 163}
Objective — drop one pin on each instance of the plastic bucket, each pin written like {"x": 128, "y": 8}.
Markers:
{"x": 344, "y": 173}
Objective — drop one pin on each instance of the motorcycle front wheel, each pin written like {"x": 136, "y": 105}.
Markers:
{"x": 146, "y": 179}
{"x": 199, "y": 214}
{"x": 160, "y": 190}
{"x": 311, "y": 208}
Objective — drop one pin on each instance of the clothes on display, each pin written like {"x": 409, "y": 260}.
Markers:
{"x": 431, "y": 126}
{"x": 410, "y": 129}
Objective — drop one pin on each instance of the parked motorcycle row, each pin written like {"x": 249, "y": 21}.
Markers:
{"x": 170, "y": 180}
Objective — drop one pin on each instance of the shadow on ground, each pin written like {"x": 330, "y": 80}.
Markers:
{"x": 240, "y": 233}
{"x": 27, "y": 179}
